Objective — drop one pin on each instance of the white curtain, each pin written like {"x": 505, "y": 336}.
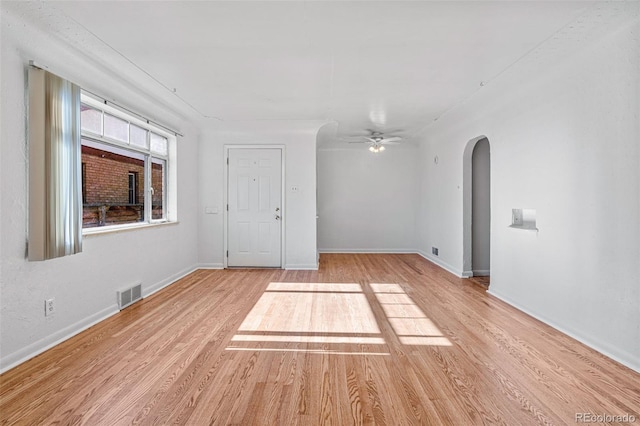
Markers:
{"x": 55, "y": 170}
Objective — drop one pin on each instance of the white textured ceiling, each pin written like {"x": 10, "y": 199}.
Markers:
{"x": 390, "y": 66}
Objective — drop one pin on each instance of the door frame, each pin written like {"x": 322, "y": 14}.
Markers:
{"x": 283, "y": 215}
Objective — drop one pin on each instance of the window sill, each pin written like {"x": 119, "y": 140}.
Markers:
{"x": 89, "y": 232}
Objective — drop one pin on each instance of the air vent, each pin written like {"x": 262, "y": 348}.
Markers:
{"x": 129, "y": 296}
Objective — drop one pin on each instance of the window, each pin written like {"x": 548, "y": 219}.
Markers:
{"x": 84, "y": 183}
{"x": 125, "y": 164}
{"x": 157, "y": 187}
{"x": 133, "y": 187}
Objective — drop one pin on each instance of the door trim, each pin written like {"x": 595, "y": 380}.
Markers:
{"x": 225, "y": 200}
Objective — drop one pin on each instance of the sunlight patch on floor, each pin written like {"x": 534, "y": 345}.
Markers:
{"x": 332, "y": 318}
{"x": 308, "y": 339}
{"x": 312, "y": 351}
{"x": 316, "y": 287}
{"x": 409, "y": 322}
{"x": 326, "y": 317}
{"x": 321, "y": 309}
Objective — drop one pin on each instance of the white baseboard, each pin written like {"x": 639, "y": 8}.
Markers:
{"x": 292, "y": 266}
{"x": 46, "y": 343}
{"x": 375, "y": 251}
{"x": 481, "y": 273}
{"x": 430, "y": 258}
{"x": 443, "y": 265}
{"x": 301, "y": 267}
{"x": 210, "y": 266}
{"x": 623, "y": 358}
{"x": 149, "y": 290}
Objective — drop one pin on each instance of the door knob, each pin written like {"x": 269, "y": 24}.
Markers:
{"x": 277, "y": 209}
{"x": 277, "y": 217}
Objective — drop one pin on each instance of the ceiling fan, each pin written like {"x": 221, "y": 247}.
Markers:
{"x": 376, "y": 141}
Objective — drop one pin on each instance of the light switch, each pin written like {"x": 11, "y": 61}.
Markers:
{"x": 211, "y": 210}
{"x": 516, "y": 217}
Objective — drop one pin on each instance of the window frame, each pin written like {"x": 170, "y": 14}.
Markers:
{"x": 168, "y": 214}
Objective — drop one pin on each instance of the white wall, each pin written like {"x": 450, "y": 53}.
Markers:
{"x": 367, "y": 202}
{"x": 564, "y": 134}
{"x": 299, "y": 139}
{"x": 84, "y": 285}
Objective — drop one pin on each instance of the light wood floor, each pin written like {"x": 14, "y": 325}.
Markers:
{"x": 378, "y": 339}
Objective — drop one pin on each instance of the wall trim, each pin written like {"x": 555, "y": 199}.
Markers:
{"x": 301, "y": 267}
{"x": 210, "y": 266}
{"x": 443, "y": 265}
{"x": 480, "y": 273}
{"x": 623, "y": 358}
{"x": 149, "y": 290}
{"x": 36, "y": 348}
{"x": 292, "y": 267}
{"x": 375, "y": 251}
{"x": 430, "y": 258}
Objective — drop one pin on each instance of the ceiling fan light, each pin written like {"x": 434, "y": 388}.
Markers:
{"x": 372, "y": 149}
{"x": 382, "y": 148}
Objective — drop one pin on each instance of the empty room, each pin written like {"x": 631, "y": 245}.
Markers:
{"x": 319, "y": 212}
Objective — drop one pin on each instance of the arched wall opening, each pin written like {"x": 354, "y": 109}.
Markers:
{"x": 477, "y": 207}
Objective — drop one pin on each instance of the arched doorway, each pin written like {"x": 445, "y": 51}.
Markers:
{"x": 477, "y": 208}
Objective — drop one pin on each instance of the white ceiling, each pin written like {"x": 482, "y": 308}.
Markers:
{"x": 390, "y": 66}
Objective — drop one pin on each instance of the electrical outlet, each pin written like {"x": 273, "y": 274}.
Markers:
{"x": 434, "y": 251}
{"x": 49, "y": 307}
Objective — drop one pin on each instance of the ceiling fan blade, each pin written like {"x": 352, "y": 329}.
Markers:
{"x": 355, "y": 139}
{"x": 389, "y": 143}
{"x": 392, "y": 140}
{"x": 394, "y": 130}
{"x": 376, "y": 138}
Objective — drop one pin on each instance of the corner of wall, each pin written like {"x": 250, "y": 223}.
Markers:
{"x": 455, "y": 271}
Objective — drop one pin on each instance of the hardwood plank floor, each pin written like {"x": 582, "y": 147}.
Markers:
{"x": 398, "y": 341}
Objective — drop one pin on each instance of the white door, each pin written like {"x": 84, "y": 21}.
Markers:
{"x": 255, "y": 209}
